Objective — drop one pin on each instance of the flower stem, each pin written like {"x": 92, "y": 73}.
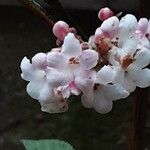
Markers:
{"x": 38, "y": 10}
{"x": 139, "y": 115}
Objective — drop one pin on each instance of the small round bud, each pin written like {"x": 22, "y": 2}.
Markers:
{"x": 60, "y": 29}
{"x": 105, "y": 13}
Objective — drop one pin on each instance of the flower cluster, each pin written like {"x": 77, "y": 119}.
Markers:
{"x": 106, "y": 68}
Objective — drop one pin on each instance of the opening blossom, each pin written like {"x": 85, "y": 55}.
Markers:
{"x": 106, "y": 68}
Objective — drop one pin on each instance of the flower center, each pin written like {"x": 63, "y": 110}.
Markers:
{"x": 73, "y": 61}
{"x": 127, "y": 60}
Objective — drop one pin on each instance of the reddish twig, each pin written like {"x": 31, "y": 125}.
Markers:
{"x": 38, "y": 10}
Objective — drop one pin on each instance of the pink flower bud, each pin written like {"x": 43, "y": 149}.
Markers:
{"x": 60, "y": 29}
{"x": 105, "y": 13}
{"x": 39, "y": 61}
{"x": 99, "y": 34}
{"x": 143, "y": 25}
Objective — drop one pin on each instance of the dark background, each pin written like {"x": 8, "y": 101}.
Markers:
{"x": 23, "y": 34}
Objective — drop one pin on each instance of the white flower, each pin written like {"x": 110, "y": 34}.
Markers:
{"x": 99, "y": 91}
{"x": 132, "y": 71}
{"x": 127, "y": 57}
{"x": 38, "y": 87}
{"x": 65, "y": 66}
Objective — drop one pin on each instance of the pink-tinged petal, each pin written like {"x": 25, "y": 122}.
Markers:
{"x": 86, "y": 86}
{"x": 39, "y": 61}
{"x": 55, "y": 107}
{"x": 56, "y": 60}
{"x": 56, "y": 78}
{"x": 27, "y": 69}
{"x": 105, "y": 75}
{"x": 99, "y": 34}
{"x": 61, "y": 29}
{"x": 66, "y": 91}
{"x": 74, "y": 89}
{"x": 142, "y": 58}
{"x": 88, "y": 59}
{"x": 143, "y": 25}
{"x": 110, "y": 26}
{"x": 71, "y": 46}
{"x": 105, "y": 13}
{"x": 101, "y": 104}
{"x": 115, "y": 92}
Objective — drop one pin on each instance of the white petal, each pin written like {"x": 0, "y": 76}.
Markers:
{"x": 56, "y": 78}
{"x": 66, "y": 92}
{"x": 110, "y": 26}
{"x": 142, "y": 58}
{"x": 143, "y": 78}
{"x": 128, "y": 83}
{"x": 46, "y": 94}
{"x": 128, "y": 25}
{"x": 145, "y": 42}
{"x": 56, "y": 60}
{"x": 88, "y": 59}
{"x": 101, "y": 104}
{"x": 86, "y": 86}
{"x": 140, "y": 76}
{"x": 39, "y": 61}
{"x": 34, "y": 88}
{"x": 71, "y": 46}
{"x": 115, "y": 92}
{"x": 27, "y": 69}
{"x": 105, "y": 75}
{"x": 128, "y": 45}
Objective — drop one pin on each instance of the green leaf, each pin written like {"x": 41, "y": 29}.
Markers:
{"x": 46, "y": 145}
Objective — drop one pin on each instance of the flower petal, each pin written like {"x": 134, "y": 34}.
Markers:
{"x": 88, "y": 59}
{"x": 128, "y": 25}
{"x": 27, "y": 69}
{"x": 115, "y": 92}
{"x": 101, "y": 104}
{"x": 39, "y": 61}
{"x": 71, "y": 46}
{"x": 140, "y": 76}
{"x": 128, "y": 83}
{"x": 46, "y": 94}
{"x": 110, "y": 26}
{"x": 56, "y": 60}
{"x": 56, "y": 78}
{"x": 142, "y": 58}
{"x": 34, "y": 89}
{"x": 105, "y": 75}
{"x": 143, "y": 78}
{"x": 86, "y": 86}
